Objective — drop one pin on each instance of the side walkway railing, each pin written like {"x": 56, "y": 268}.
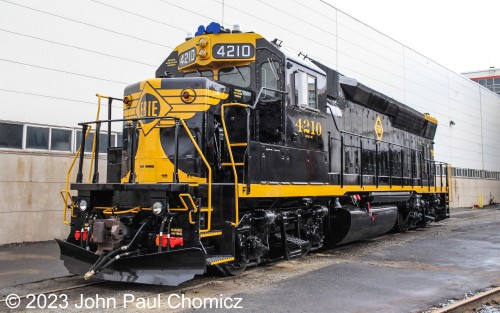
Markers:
{"x": 186, "y": 199}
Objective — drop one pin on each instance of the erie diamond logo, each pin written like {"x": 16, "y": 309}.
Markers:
{"x": 151, "y": 105}
{"x": 379, "y": 128}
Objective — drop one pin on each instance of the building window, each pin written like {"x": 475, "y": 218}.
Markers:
{"x": 37, "y": 138}
{"x": 11, "y": 136}
{"x": 119, "y": 141}
{"x": 492, "y": 84}
{"x": 497, "y": 85}
{"x": 89, "y": 142}
{"x": 60, "y": 139}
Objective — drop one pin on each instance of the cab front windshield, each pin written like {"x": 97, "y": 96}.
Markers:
{"x": 237, "y": 76}
{"x": 206, "y": 74}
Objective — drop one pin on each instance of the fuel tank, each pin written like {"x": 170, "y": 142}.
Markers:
{"x": 351, "y": 224}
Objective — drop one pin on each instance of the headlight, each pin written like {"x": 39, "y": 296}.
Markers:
{"x": 158, "y": 208}
{"x": 203, "y": 53}
{"x": 82, "y": 205}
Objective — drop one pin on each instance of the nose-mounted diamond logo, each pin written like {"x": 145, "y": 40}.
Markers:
{"x": 151, "y": 107}
{"x": 379, "y": 128}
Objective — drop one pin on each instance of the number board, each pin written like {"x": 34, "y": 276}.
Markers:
{"x": 187, "y": 57}
{"x": 233, "y": 51}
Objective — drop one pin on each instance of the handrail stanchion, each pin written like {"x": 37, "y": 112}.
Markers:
{"x": 95, "y": 179}
{"x": 231, "y": 158}
{"x": 209, "y": 174}
{"x": 79, "y": 175}
{"x": 342, "y": 161}
{"x": 133, "y": 135}
{"x": 390, "y": 166}
{"x": 376, "y": 164}
{"x": 361, "y": 164}
{"x": 110, "y": 102}
{"x": 176, "y": 147}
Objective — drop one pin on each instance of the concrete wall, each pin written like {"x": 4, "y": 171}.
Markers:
{"x": 467, "y": 192}
{"x": 31, "y": 208}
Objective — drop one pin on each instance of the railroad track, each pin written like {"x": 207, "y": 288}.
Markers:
{"x": 59, "y": 289}
{"x": 473, "y": 303}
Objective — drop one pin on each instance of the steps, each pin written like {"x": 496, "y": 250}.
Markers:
{"x": 211, "y": 233}
{"x": 295, "y": 247}
{"x": 219, "y": 259}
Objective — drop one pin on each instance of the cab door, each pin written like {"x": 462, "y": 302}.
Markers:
{"x": 269, "y": 110}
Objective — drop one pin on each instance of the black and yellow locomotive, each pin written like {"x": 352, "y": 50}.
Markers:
{"x": 240, "y": 152}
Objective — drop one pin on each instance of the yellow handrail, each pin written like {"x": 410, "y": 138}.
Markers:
{"x": 95, "y": 137}
{"x": 186, "y": 208}
{"x": 113, "y": 211}
{"x": 209, "y": 180}
{"x": 233, "y": 165}
{"x": 65, "y": 192}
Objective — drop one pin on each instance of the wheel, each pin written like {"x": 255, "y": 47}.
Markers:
{"x": 424, "y": 223}
{"x": 234, "y": 269}
{"x": 402, "y": 222}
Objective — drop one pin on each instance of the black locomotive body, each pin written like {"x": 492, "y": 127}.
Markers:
{"x": 238, "y": 153}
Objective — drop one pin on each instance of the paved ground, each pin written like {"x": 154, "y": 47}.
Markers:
{"x": 394, "y": 273}
{"x": 30, "y": 262}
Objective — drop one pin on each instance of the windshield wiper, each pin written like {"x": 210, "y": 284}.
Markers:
{"x": 273, "y": 69}
{"x": 239, "y": 72}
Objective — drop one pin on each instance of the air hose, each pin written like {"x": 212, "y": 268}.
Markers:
{"x": 160, "y": 239}
{"x": 100, "y": 264}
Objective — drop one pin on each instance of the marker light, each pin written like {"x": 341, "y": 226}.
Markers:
{"x": 127, "y": 101}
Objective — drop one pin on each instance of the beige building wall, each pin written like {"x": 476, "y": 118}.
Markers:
{"x": 31, "y": 208}
{"x": 467, "y": 192}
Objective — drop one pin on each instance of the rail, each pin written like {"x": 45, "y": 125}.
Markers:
{"x": 229, "y": 145}
{"x": 230, "y": 152}
{"x": 414, "y": 153}
{"x": 178, "y": 122}
{"x": 94, "y": 163}
{"x": 65, "y": 193}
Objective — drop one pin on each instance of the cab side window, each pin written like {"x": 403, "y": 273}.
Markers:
{"x": 312, "y": 93}
{"x": 269, "y": 78}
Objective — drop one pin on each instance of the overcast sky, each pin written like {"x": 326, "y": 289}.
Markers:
{"x": 462, "y": 35}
